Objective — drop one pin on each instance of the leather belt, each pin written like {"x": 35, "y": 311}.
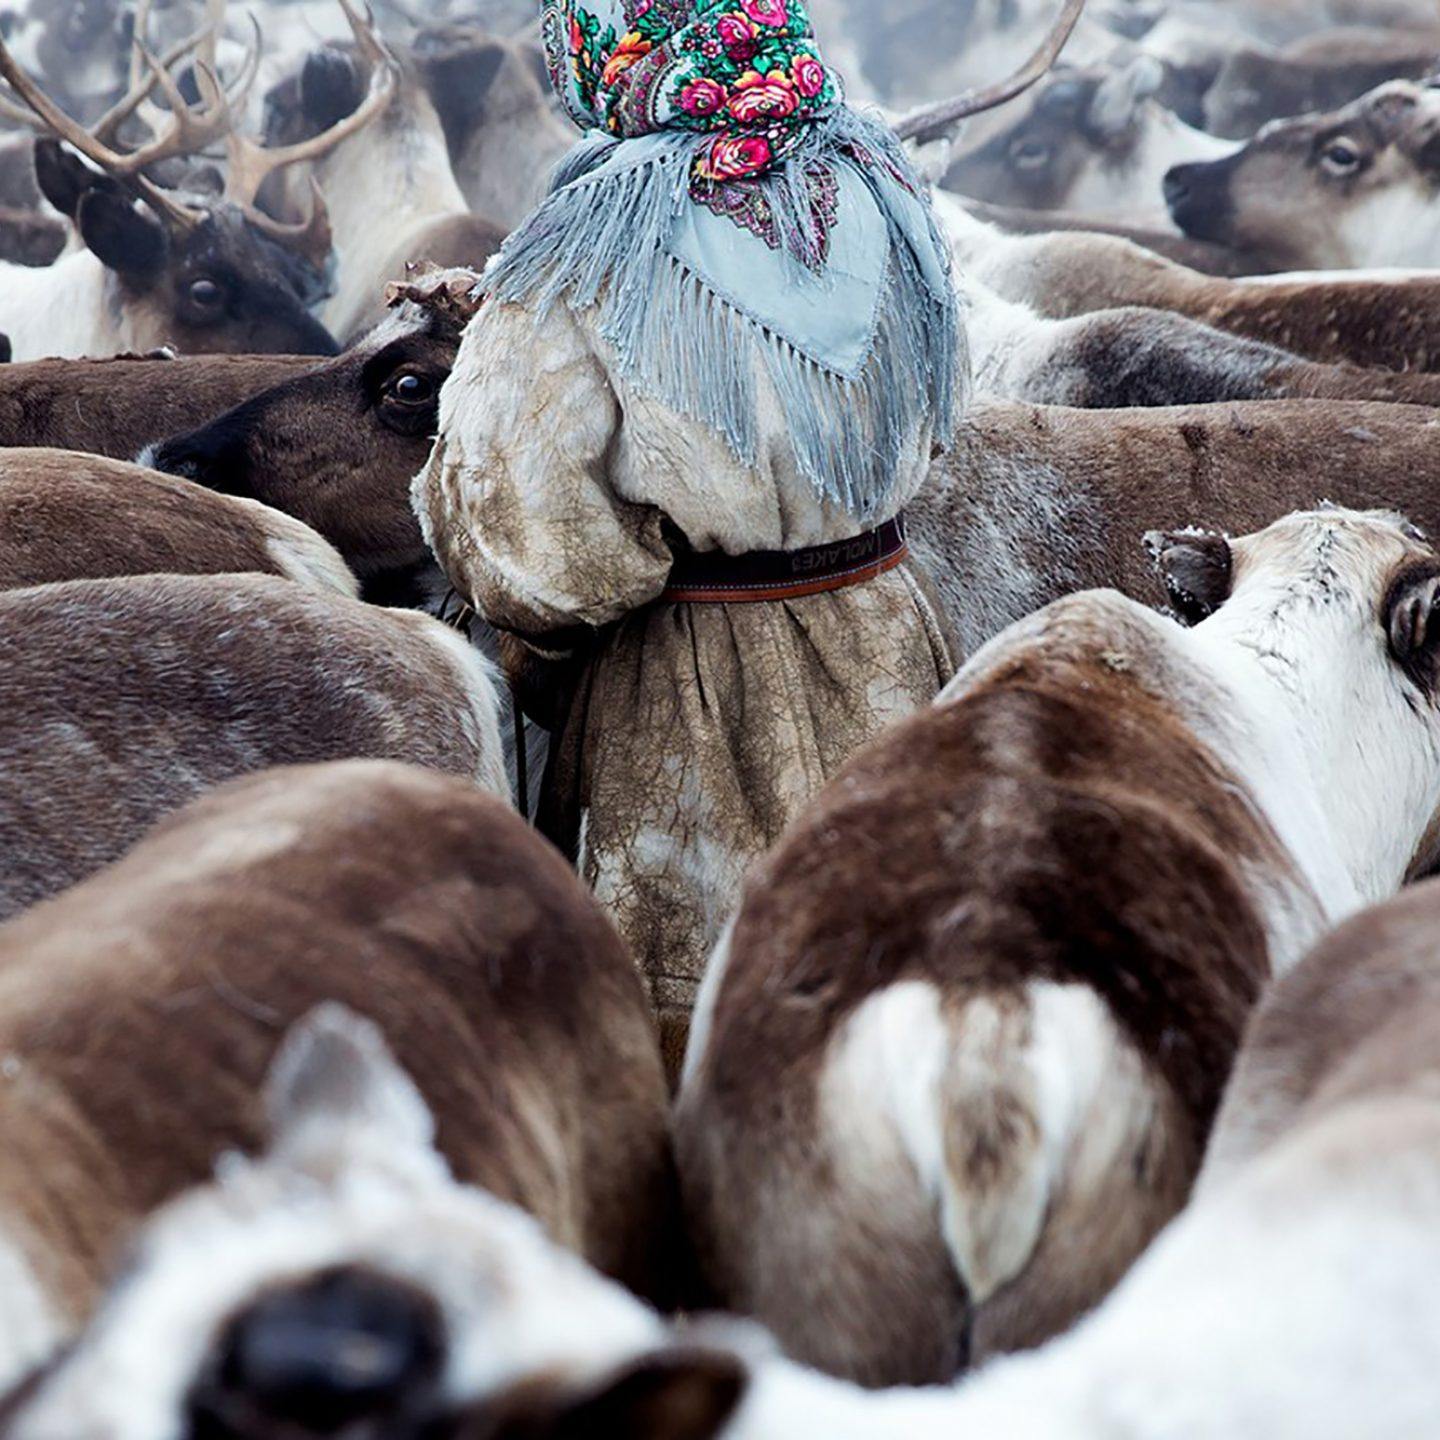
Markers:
{"x": 714, "y": 578}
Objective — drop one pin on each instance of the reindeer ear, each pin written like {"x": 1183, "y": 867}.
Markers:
{"x": 1066, "y": 97}
{"x": 1112, "y": 111}
{"x": 1412, "y": 621}
{"x": 331, "y": 87}
{"x": 125, "y": 238}
{"x": 334, "y": 1072}
{"x": 63, "y": 177}
{"x": 670, "y": 1395}
{"x": 1196, "y": 569}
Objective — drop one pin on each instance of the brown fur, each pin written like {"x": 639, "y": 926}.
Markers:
{"x": 117, "y": 407}
{"x": 1323, "y": 72}
{"x": 337, "y": 449}
{"x": 121, "y": 700}
{"x": 65, "y": 516}
{"x": 1034, "y": 502}
{"x": 143, "y": 1007}
{"x": 1356, "y": 1019}
{"x": 1056, "y": 822}
{"x": 1390, "y": 324}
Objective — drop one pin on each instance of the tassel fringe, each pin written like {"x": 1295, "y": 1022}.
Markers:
{"x": 601, "y": 240}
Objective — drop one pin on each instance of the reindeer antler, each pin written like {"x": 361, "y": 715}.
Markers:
{"x": 933, "y": 120}
{"x": 189, "y": 129}
{"x": 250, "y": 165}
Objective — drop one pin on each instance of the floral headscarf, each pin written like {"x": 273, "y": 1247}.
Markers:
{"x": 726, "y": 217}
{"x": 747, "y": 72}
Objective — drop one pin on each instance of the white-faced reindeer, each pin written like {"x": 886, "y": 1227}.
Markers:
{"x": 154, "y": 997}
{"x": 956, "y": 1061}
{"x": 160, "y": 267}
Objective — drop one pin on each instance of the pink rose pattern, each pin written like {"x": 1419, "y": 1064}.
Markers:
{"x": 747, "y": 71}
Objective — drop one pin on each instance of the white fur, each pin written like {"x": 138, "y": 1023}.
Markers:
{"x": 702, "y": 1018}
{"x": 384, "y": 189}
{"x": 305, "y": 556}
{"x": 30, "y": 1328}
{"x": 904, "y": 1071}
{"x": 1295, "y": 1302}
{"x": 1134, "y": 187}
{"x": 351, "y": 1177}
{"x": 69, "y": 309}
{"x": 1397, "y": 227}
{"x": 1346, "y": 771}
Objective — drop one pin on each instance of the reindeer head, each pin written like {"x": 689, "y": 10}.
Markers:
{"x": 1088, "y": 139}
{"x": 196, "y": 271}
{"x": 1355, "y": 187}
{"x": 344, "y": 1283}
{"x": 338, "y": 447}
{"x": 1331, "y": 619}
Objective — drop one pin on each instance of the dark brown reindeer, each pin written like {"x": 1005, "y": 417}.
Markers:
{"x": 338, "y": 446}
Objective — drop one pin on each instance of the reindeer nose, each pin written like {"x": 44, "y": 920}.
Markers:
{"x": 344, "y": 1347}
{"x": 1177, "y": 185}
{"x": 209, "y": 457}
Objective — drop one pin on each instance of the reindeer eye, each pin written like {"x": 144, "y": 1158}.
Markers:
{"x": 1030, "y": 154}
{"x": 1340, "y": 157}
{"x": 206, "y": 294}
{"x": 410, "y": 389}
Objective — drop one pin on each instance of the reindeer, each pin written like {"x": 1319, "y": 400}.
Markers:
{"x": 1141, "y": 356}
{"x": 1323, "y": 72}
{"x": 402, "y": 155}
{"x": 1316, "y": 1253}
{"x": 1354, "y": 188}
{"x": 503, "y": 128}
{"x": 125, "y": 698}
{"x": 1090, "y": 139}
{"x": 1368, "y": 321}
{"x": 158, "y": 268}
{"x": 955, "y": 1062}
{"x": 338, "y": 446}
{"x": 149, "y": 1002}
{"x": 80, "y": 517}
{"x": 1035, "y": 501}
{"x": 118, "y": 406}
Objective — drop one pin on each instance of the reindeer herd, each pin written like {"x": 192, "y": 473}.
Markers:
{"x": 1069, "y": 1071}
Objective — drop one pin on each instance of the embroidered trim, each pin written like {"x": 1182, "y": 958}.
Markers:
{"x": 744, "y": 202}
